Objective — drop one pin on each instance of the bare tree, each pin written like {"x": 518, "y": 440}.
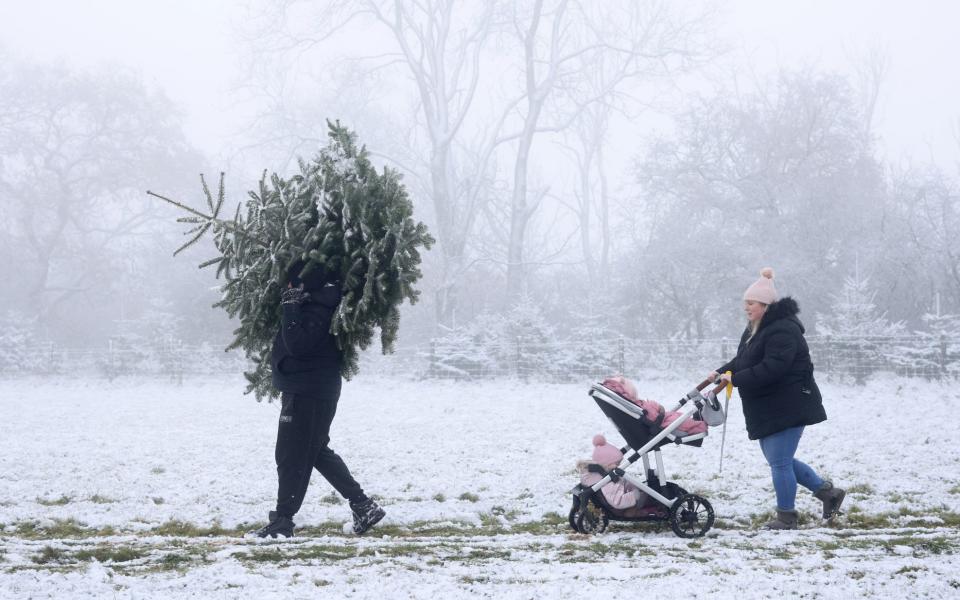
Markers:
{"x": 443, "y": 49}
{"x": 438, "y": 44}
{"x": 557, "y": 41}
{"x": 782, "y": 176}
{"x": 871, "y": 71}
{"x": 75, "y": 152}
{"x": 930, "y": 202}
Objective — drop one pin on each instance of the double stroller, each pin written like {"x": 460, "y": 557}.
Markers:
{"x": 642, "y": 425}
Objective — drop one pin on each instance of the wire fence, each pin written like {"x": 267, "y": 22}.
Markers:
{"x": 854, "y": 358}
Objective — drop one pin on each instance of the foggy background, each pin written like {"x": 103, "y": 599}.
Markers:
{"x": 590, "y": 170}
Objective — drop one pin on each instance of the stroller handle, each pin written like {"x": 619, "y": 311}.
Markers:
{"x": 706, "y": 382}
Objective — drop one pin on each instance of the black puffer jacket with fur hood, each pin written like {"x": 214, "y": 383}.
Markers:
{"x": 774, "y": 374}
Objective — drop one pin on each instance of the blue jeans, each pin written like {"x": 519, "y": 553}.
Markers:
{"x": 787, "y": 471}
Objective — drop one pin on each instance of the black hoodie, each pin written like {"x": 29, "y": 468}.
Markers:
{"x": 774, "y": 374}
{"x": 305, "y": 357}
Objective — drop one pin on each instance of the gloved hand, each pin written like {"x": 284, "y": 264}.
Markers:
{"x": 294, "y": 295}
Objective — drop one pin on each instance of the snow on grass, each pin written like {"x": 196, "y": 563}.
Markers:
{"x": 146, "y": 488}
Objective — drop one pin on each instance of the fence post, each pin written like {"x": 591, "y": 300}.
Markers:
{"x": 432, "y": 368}
{"x": 859, "y": 376}
{"x": 943, "y": 355}
{"x": 178, "y": 360}
{"x": 621, "y": 358}
{"x": 828, "y": 350}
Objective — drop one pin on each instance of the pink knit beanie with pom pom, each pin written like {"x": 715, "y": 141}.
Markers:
{"x": 762, "y": 290}
{"x": 604, "y": 453}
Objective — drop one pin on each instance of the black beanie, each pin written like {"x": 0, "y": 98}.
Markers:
{"x": 315, "y": 279}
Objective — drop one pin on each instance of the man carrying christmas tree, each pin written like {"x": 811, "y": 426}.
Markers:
{"x": 354, "y": 248}
{"x": 306, "y": 370}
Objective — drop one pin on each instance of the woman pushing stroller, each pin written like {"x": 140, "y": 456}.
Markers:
{"x": 774, "y": 377}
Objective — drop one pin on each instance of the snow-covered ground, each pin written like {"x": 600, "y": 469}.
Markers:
{"x": 141, "y": 489}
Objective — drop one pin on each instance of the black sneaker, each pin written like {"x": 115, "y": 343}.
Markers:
{"x": 366, "y": 514}
{"x": 278, "y": 525}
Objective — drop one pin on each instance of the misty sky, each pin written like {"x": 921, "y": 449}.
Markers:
{"x": 190, "y": 49}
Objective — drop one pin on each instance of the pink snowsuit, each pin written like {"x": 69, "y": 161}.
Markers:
{"x": 621, "y": 494}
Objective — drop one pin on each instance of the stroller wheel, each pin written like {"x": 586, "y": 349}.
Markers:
{"x": 572, "y": 517}
{"x": 691, "y": 516}
{"x": 592, "y": 519}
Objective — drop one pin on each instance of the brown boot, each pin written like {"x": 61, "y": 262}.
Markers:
{"x": 786, "y": 519}
{"x": 832, "y": 498}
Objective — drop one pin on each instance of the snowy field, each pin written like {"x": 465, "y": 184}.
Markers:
{"x": 144, "y": 489}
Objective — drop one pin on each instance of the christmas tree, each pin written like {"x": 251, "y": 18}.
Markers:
{"x": 862, "y": 339}
{"x": 338, "y": 214}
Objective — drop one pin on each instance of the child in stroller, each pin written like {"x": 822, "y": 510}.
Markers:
{"x": 646, "y": 427}
{"x": 622, "y": 497}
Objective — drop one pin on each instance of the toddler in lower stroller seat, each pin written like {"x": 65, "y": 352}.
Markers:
{"x": 622, "y": 497}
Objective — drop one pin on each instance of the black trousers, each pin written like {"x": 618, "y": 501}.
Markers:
{"x": 303, "y": 436}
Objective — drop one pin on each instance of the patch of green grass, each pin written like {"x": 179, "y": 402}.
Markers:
{"x": 49, "y": 554}
{"x": 266, "y": 555}
{"x": 284, "y": 554}
{"x": 331, "y": 498}
{"x": 757, "y": 520}
{"x": 734, "y": 523}
{"x": 491, "y": 522}
{"x": 655, "y": 574}
{"x": 98, "y": 499}
{"x": 187, "y": 555}
{"x": 509, "y": 515}
{"x": 909, "y": 570}
{"x": 589, "y": 553}
{"x": 923, "y": 546}
{"x": 174, "y": 561}
{"x": 158, "y": 500}
{"x": 783, "y": 553}
{"x": 158, "y": 470}
{"x": 321, "y": 582}
{"x": 440, "y": 498}
{"x": 904, "y": 516}
{"x": 55, "y": 502}
{"x": 481, "y": 554}
{"x": 178, "y": 528}
{"x": 498, "y": 521}
{"x": 102, "y": 553}
{"x": 468, "y": 497}
{"x": 526, "y": 494}
{"x": 59, "y": 528}
{"x": 110, "y": 554}
{"x": 860, "y": 488}
{"x": 954, "y": 490}
{"x": 549, "y": 523}
{"x": 856, "y": 575}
